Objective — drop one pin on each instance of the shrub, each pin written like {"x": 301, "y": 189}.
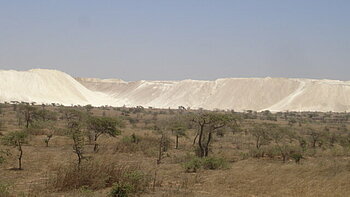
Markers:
{"x": 207, "y": 163}
{"x": 121, "y": 190}
{"x": 96, "y": 175}
{"x": 297, "y": 156}
{"x": 256, "y": 153}
{"x": 212, "y": 163}
{"x": 147, "y": 145}
{"x": 4, "y": 190}
{"x": 193, "y": 165}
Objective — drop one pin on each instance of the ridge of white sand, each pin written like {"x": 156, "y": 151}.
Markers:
{"x": 275, "y": 94}
{"x": 47, "y": 86}
{"x": 287, "y": 100}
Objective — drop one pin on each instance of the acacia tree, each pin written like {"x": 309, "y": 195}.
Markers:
{"x": 75, "y": 124}
{"x": 208, "y": 123}
{"x": 260, "y": 133}
{"x": 27, "y": 111}
{"x": 178, "y": 128}
{"x": 103, "y": 125}
{"x": 283, "y": 138}
{"x": 78, "y": 139}
{"x": 17, "y": 139}
{"x": 314, "y": 136}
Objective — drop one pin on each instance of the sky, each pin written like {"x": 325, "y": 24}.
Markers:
{"x": 178, "y": 39}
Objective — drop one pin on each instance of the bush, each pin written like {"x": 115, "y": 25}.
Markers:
{"x": 297, "y": 156}
{"x": 212, "y": 163}
{"x": 96, "y": 175}
{"x": 147, "y": 145}
{"x": 207, "y": 163}
{"x": 4, "y": 190}
{"x": 121, "y": 190}
{"x": 193, "y": 165}
{"x": 256, "y": 153}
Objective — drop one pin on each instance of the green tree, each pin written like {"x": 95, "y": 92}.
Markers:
{"x": 260, "y": 133}
{"x": 282, "y": 137}
{"x": 17, "y": 139}
{"x": 27, "y": 111}
{"x": 77, "y": 135}
{"x": 208, "y": 123}
{"x": 103, "y": 126}
{"x": 178, "y": 128}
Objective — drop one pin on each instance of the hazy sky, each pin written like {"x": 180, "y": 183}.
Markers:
{"x": 178, "y": 39}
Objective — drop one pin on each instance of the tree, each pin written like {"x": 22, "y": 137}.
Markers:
{"x": 78, "y": 139}
{"x": 48, "y": 138}
{"x": 103, "y": 125}
{"x": 27, "y": 111}
{"x": 88, "y": 108}
{"x": 314, "y": 136}
{"x": 260, "y": 133}
{"x": 17, "y": 139}
{"x": 282, "y": 137}
{"x": 208, "y": 123}
{"x": 75, "y": 123}
{"x": 178, "y": 128}
{"x": 44, "y": 115}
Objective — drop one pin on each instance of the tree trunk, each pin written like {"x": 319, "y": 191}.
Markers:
{"x": 314, "y": 143}
{"x": 20, "y": 157}
{"x": 79, "y": 159}
{"x": 177, "y": 142}
{"x": 95, "y": 144}
{"x": 206, "y": 152}
{"x": 201, "y": 148}
{"x": 195, "y": 139}
{"x": 258, "y": 142}
{"x": 160, "y": 153}
{"x": 27, "y": 117}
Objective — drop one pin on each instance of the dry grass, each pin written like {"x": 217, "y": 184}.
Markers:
{"x": 52, "y": 171}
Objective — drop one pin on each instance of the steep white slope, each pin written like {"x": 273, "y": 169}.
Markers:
{"x": 321, "y": 95}
{"x": 238, "y": 94}
{"x": 47, "y": 86}
{"x": 275, "y": 94}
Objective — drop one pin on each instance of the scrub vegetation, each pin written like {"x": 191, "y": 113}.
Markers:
{"x": 53, "y": 150}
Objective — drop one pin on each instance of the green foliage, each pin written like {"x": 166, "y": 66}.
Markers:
{"x": 261, "y": 134}
{"x": 137, "y": 179}
{"x": 1, "y": 125}
{"x": 78, "y": 145}
{"x": 213, "y": 163}
{"x": 5, "y": 190}
{"x": 207, "y": 163}
{"x": 193, "y": 165}
{"x": 133, "y": 138}
{"x": 297, "y": 156}
{"x": 3, "y": 154}
{"x": 44, "y": 115}
{"x": 121, "y": 190}
{"x": 105, "y": 125}
{"x": 16, "y": 138}
{"x": 98, "y": 174}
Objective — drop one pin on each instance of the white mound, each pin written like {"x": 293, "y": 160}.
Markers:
{"x": 275, "y": 94}
{"x": 47, "y": 86}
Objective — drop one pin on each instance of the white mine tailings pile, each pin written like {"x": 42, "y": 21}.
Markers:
{"x": 275, "y": 94}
